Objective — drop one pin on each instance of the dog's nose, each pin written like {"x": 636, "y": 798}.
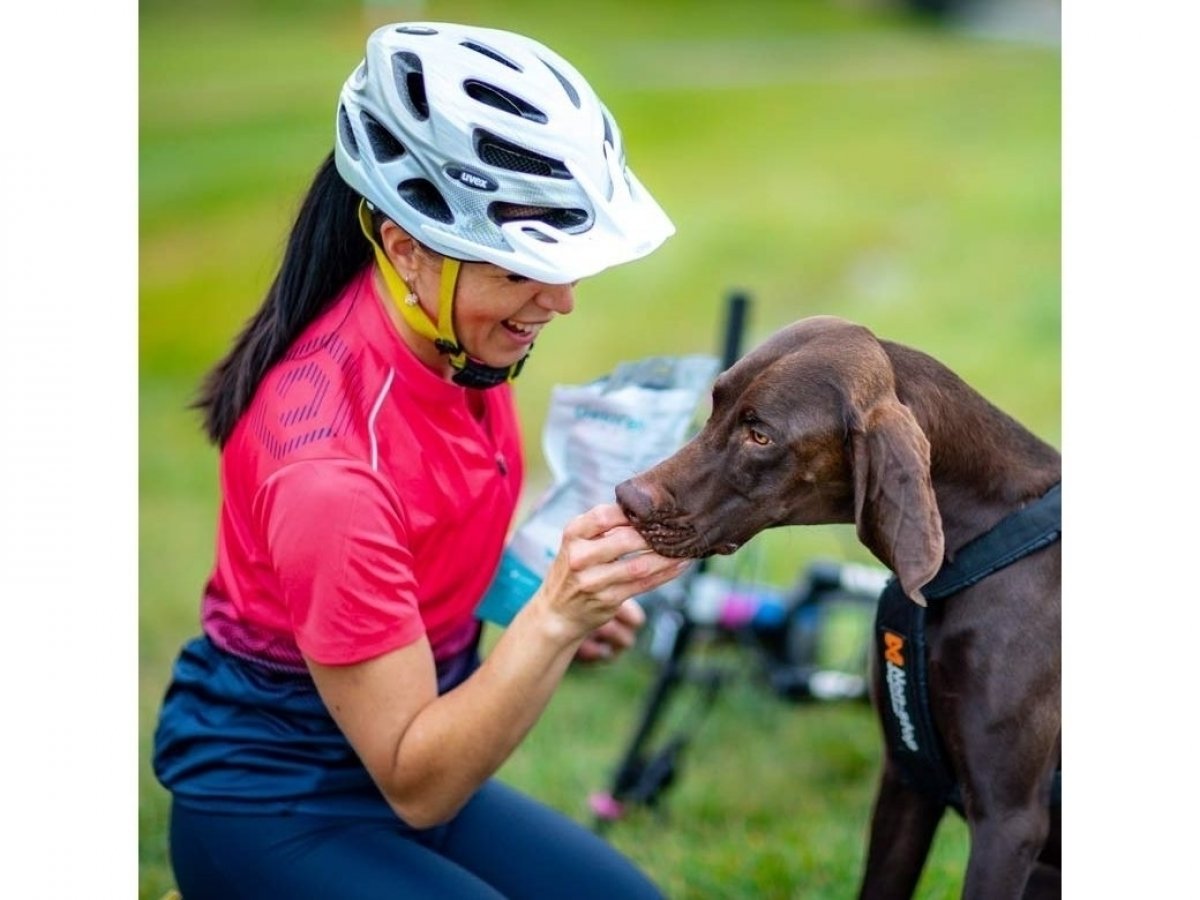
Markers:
{"x": 635, "y": 499}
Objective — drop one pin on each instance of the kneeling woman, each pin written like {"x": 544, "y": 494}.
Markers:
{"x": 333, "y": 733}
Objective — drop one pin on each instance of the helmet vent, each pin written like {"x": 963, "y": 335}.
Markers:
{"x": 608, "y": 132}
{"x": 498, "y": 98}
{"x": 410, "y": 82}
{"x": 422, "y": 196}
{"x": 491, "y": 54}
{"x": 384, "y": 145}
{"x": 504, "y": 155}
{"x": 539, "y": 235}
{"x": 347, "y": 133}
{"x": 566, "y": 85}
{"x": 569, "y": 220}
{"x": 415, "y": 29}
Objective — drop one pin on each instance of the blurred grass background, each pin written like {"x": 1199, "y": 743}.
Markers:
{"x": 825, "y": 157}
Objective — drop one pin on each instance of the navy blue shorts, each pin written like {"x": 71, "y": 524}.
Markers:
{"x": 502, "y": 844}
{"x": 269, "y": 800}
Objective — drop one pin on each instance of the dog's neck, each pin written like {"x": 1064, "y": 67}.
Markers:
{"x": 983, "y": 463}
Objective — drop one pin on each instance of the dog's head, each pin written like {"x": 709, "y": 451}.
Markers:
{"x": 806, "y": 429}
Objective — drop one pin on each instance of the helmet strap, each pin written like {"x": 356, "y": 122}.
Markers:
{"x": 468, "y": 372}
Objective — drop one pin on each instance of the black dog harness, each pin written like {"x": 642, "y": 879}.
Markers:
{"x": 912, "y": 739}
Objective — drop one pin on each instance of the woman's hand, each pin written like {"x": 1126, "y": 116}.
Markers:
{"x": 615, "y": 636}
{"x": 601, "y": 563}
{"x": 429, "y": 752}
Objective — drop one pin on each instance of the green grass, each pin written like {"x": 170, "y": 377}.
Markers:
{"x": 826, "y": 161}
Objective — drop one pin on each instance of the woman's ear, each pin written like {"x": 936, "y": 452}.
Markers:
{"x": 400, "y": 248}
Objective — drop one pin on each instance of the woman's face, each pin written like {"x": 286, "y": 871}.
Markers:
{"x": 497, "y": 314}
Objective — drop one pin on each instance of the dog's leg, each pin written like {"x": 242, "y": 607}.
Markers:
{"x": 1003, "y": 723}
{"x": 1009, "y": 815}
{"x": 1014, "y": 853}
{"x": 902, "y": 828}
{"x": 1004, "y": 848}
{"x": 1045, "y": 883}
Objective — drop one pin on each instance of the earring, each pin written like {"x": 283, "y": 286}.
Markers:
{"x": 411, "y": 298}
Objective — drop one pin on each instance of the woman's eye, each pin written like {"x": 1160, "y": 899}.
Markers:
{"x": 759, "y": 438}
{"x": 517, "y": 279}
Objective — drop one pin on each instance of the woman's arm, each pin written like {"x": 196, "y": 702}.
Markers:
{"x": 429, "y": 753}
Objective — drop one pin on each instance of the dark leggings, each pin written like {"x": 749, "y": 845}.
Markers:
{"x": 502, "y": 844}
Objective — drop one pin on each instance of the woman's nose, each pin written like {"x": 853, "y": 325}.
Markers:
{"x": 559, "y": 298}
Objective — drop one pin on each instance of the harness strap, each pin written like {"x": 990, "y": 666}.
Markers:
{"x": 912, "y": 738}
{"x": 1016, "y": 535}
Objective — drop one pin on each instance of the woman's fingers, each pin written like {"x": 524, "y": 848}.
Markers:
{"x": 626, "y": 576}
{"x": 601, "y": 535}
{"x": 615, "y": 636}
{"x": 603, "y": 562}
{"x": 596, "y": 521}
{"x": 631, "y": 615}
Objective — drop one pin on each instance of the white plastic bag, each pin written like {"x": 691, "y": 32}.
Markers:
{"x": 596, "y": 436}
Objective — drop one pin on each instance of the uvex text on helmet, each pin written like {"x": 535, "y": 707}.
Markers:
{"x": 488, "y": 146}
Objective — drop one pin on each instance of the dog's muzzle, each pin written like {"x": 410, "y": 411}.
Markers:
{"x": 660, "y": 523}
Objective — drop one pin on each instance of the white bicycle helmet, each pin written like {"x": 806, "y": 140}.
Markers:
{"x": 487, "y": 146}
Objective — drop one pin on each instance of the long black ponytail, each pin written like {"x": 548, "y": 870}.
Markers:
{"x": 325, "y": 250}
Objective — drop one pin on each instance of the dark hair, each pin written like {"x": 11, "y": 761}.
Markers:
{"x": 325, "y": 250}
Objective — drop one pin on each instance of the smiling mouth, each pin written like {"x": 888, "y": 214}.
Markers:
{"x": 522, "y": 330}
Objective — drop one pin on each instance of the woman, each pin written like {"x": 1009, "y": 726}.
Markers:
{"x": 333, "y": 733}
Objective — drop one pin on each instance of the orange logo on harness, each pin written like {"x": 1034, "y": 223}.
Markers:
{"x": 892, "y": 645}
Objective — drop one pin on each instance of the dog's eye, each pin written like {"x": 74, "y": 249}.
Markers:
{"x": 758, "y": 437}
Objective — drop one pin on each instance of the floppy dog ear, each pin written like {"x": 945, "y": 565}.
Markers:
{"x": 894, "y": 505}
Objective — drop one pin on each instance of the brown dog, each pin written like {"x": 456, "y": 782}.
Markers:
{"x": 825, "y": 423}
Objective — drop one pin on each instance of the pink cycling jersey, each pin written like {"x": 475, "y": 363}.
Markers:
{"x": 365, "y": 500}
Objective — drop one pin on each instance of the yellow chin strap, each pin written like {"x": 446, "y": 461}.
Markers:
{"x": 468, "y": 372}
{"x": 441, "y": 333}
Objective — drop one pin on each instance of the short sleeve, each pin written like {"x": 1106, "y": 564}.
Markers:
{"x": 336, "y": 539}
